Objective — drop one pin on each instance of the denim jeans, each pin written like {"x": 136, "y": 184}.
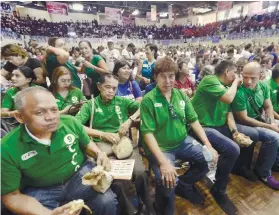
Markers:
{"x": 276, "y": 163}
{"x": 228, "y": 152}
{"x": 72, "y": 189}
{"x": 189, "y": 150}
{"x": 268, "y": 151}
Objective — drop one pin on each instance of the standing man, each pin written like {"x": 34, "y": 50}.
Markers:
{"x": 128, "y": 53}
{"x": 111, "y": 55}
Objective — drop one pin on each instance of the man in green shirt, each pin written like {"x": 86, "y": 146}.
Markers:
{"x": 112, "y": 118}
{"x": 253, "y": 97}
{"x": 165, "y": 112}
{"x": 273, "y": 84}
{"x": 212, "y": 105}
{"x": 44, "y": 159}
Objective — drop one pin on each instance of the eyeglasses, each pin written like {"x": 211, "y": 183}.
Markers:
{"x": 172, "y": 112}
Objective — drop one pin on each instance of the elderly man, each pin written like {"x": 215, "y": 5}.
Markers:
{"x": 251, "y": 99}
{"x": 43, "y": 160}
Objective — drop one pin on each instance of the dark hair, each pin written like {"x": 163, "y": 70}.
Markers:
{"x": 154, "y": 48}
{"x": 180, "y": 64}
{"x": 85, "y": 41}
{"x": 223, "y": 66}
{"x": 165, "y": 64}
{"x": 58, "y": 72}
{"x": 76, "y": 49}
{"x": 266, "y": 59}
{"x": 28, "y": 73}
{"x": 248, "y": 46}
{"x": 119, "y": 64}
{"x": 131, "y": 45}
{"x": 215, "y": 61}
{"x": 230, "y": 50}
{"x": 52, "y": 41}
{"x": 13, "y": 50}
{"x": 275, "y": 71}
{"x": 257, "y": 59}
{"x": 104, "y": 76}
{"x": 270, "y": 48}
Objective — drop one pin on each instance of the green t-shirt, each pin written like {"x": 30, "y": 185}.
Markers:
{"x": 27, "y": 162}
{"x": 212, "y": 112}
{"x": 74, "y": 96}
{"x": 107, "y": 116}
{"x": 52, "y": 63}
{"x": 8, "y": 100}
{"x": 274, "y": 94}
{"x": 91, "y": 72}
{"x": 259, "y": 95}
{"x": 167, "y": 123}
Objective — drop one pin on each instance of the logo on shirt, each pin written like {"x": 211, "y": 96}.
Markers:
{"x": 74, "y": 99}
{"x": 119, "y": 114}
{"x": 69, "y": 139}
{"x": 275, "y": 91}
{"x": 28, "y": 155}
{"x": 182, "y": 104}
{"x": 99, "y": 110}
{"x": 158, "y": 105}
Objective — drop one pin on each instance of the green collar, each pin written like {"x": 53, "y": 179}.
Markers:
{"x": 101, "y": 101}
{"x": 57, "y": 135}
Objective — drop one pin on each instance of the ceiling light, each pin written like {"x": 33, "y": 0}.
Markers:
{"x": 77, "y": 6}
{"x": 163, "y": 14}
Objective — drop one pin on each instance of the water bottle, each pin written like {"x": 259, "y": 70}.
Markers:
{"x": 207, "y": 154}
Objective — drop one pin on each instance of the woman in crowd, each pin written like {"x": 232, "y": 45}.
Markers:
{"x": 145, "y": 68}
{"x": 22, "y": 77}
{"x": 57, "y": 56}
{"x": 93, "y": 65}
{"x": 16, "y": 57}
{"x": 112, "y": 118}
{"x": 127, "y": 87}
{"x": 69, "y": 98}
{"x": 76, "y": 58}
{"x": 183, "y": 80}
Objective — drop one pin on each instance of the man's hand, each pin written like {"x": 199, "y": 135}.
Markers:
{"x": 214, "y": 154}
{"x": 238, "y": 80}
{"x": 241, "y": 139}
{"x": 103, "y": 160}
{"x": 146, "y": 80}
{"x": 111, "y": 137}
{"x": 124, "y": 128}
{"x": 168, "y": 174}
{"x": 274, "y": 127}
{"x": 64, "y": 210}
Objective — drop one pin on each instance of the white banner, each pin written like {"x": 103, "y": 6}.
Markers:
{"x": 153, "y": 13}
{"x": 113, "y": 13}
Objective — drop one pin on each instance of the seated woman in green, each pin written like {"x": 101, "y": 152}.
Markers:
{"x": 57, "y": 56}
{"x": 112, "y": 118}
{"x": 69, "y": 98}
{"x": 93, "y": 65}
{"x": 23, "y": 77}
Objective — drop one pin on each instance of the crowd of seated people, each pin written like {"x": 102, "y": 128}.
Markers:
{"x": 40, "y": 27}
{"x": 196, "y": 104}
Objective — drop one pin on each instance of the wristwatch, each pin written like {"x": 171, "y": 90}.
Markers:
{"x": 233, "y": 130}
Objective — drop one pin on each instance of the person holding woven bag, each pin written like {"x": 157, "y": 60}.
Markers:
{"x": 110, "y": 118}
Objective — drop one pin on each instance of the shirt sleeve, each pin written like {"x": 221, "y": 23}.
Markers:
{"x": 147, "y": 116}
{"x": 85, "y": 113}
{"x": 214, "y": 88}
{"x": 8, "y": 101}
{"x": 239, "y": 102}
{"x": 266, "y": 91}
{"x": 10, "y": 174}
{"x": 9, "y": 67}
{"x": 96, "y": 60}
{"x": 84, "y": 139}
{"x": 33, "y": 63}
{"x": 136, "y": 90}
{"x": 132, "y": 106}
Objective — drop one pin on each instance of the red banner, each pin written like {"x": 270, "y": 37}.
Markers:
{"x": 224, "y": 5}
{"x": 57, "y": 8}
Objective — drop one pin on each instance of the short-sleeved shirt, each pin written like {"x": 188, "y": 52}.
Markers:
{"x": 95, "y": 76}
{"x": 188, "y": 84}
{"x": 30, "y": 163}
{"x": 8, "y": 100}
{"x": 52, "y": 63}
{"x": 212, "y": 112}
{"x": 147, "y": 68}
{"x": 259, "y": 95}
{"x": 274, "y": 94}
{"x": 32, "y": 63}
{"x": 107, "y": 116}
{"x": 168, "y": 126}
{"x": 74, "y": 96}
{"x": 130, "y": 90}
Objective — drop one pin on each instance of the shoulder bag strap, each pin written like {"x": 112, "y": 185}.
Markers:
{"x": 254, "y": 106}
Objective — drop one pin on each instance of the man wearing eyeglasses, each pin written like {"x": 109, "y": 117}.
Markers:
{"x": 165, "y": 112}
